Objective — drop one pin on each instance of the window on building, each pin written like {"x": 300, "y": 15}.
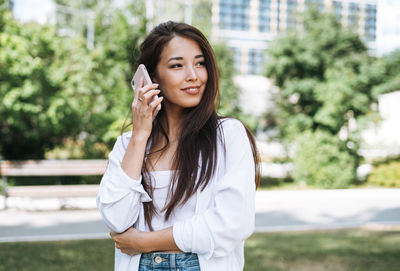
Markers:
{"x": 256, "y": 61}
{"x": 370, "y": 23}
{"x": 234, "y": 14}
{"x": 353, "y": 16}
{"x": 337, "y": 9}
{"x": 237, "y": 55}
{"x": 278, "y": 14}
{"x": 291, "y": 14}
{"x": 264, "y": 16}
{"x": 319, "y": 4}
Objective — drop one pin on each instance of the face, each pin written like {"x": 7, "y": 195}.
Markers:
{"x": 181, "y": 73}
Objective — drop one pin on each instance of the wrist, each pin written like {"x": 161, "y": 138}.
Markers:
{"x": 139, "y": 137}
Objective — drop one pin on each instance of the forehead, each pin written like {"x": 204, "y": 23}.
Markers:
{"x": 181, "y": 47}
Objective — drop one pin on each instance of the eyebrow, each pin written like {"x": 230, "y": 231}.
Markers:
{"x": 180, "y": 58}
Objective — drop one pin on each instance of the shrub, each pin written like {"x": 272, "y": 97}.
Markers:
{"x": 386, "y": 174}
{"x": 323, "y": 160}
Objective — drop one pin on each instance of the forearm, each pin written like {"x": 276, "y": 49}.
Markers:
{"x": 133, "y": 159}
{"x": 162, "y": 240}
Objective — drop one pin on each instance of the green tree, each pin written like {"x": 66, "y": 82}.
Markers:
{"x": 34, "y": 114}
{"x": 53, "y": 88}
{"x": 326, "y": 77}
{"x": 391, "y": 78}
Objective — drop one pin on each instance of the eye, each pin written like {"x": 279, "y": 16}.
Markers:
{"x": 177, "y": 65}
{"x": 201, "y": 63}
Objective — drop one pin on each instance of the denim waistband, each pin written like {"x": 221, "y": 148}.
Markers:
{"x": 169, "y": 260}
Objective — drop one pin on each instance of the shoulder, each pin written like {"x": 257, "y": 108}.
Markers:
{"x": 229, "y": 126}
{"x": 232, "y": 132}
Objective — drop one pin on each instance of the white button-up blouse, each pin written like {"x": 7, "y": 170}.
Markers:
{"x": 224, "y": 212}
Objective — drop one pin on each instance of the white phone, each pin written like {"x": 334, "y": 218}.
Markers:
{"x": 140, "y": 73}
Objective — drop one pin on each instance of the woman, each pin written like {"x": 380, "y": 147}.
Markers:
{"x": 179, "y": 189}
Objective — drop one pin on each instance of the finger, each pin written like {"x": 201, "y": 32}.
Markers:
{"x": 150, "y": 95}
{"x": 154, "y": 104}
{"x": 143, "y": 90}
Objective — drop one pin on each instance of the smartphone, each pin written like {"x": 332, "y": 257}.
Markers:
{"x": 140, "y": 73}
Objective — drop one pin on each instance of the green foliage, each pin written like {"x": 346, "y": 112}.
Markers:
{"x": 61, "y": 100}
{"x": 324, "y": 73}
{"x": 387, "y": 174}
{"x": 323, "y": 160}
{"x": 391, "y": 81}
{"x": 36, "y": 114}
{"x": 327, "y": 80}
{"x": 53, "y": 89}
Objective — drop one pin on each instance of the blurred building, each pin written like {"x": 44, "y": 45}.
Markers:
{"x": 388, "y": 26}
{"x": 249, "y": 25}
{"x": 382, "y": 139}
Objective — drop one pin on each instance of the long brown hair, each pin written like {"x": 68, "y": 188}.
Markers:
{"x": 200, "y": 127}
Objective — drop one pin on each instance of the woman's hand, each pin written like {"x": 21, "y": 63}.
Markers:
{"x": 129, "y": 242}
{"x": 133, "y": 241}
{"x": 145, "y": 107}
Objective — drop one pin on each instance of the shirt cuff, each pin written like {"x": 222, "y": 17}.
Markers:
{"x": 133, "y": 184}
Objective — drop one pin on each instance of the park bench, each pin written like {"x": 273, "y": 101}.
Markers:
{"x": 50, "y": 168}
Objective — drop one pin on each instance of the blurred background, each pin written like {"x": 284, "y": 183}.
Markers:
{"x": 317, "y": 81}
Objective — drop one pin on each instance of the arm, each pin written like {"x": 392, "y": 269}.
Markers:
{"x": 133, "y": 241}
{"x": 120, "y": 196}
{"x": 121, "y": 192}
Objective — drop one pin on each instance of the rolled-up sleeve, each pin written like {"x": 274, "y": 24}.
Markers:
{"x": 120, "y": 197}
{"x": 230, "y": 219}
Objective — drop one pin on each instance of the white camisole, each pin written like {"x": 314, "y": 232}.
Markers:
{"x": 161, "y": 182}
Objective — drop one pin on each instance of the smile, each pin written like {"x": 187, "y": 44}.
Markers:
{"x": 192, "y": 90}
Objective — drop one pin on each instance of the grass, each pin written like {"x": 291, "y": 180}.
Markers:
{"x": 358, "y": 250}
{"x": 56, "y": 256}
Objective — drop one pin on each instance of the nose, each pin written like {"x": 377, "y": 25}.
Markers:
{"x": 191, "y": 74}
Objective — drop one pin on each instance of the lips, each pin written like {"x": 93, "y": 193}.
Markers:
{"x": 192, "y": 89}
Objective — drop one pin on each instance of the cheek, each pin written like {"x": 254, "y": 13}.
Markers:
{"x": 204, "y": 76}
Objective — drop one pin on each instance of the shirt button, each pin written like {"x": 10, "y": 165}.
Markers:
{"x": 158, "y": 259}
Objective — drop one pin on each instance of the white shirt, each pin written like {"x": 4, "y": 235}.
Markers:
{"x": 224, "y": 214}
{"x": 161, "y": 184}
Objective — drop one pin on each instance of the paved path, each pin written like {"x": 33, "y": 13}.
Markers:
{"x": 275, "y": 211}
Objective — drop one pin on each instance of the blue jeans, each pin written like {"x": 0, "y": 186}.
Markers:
{"x": 159, "y": 261}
